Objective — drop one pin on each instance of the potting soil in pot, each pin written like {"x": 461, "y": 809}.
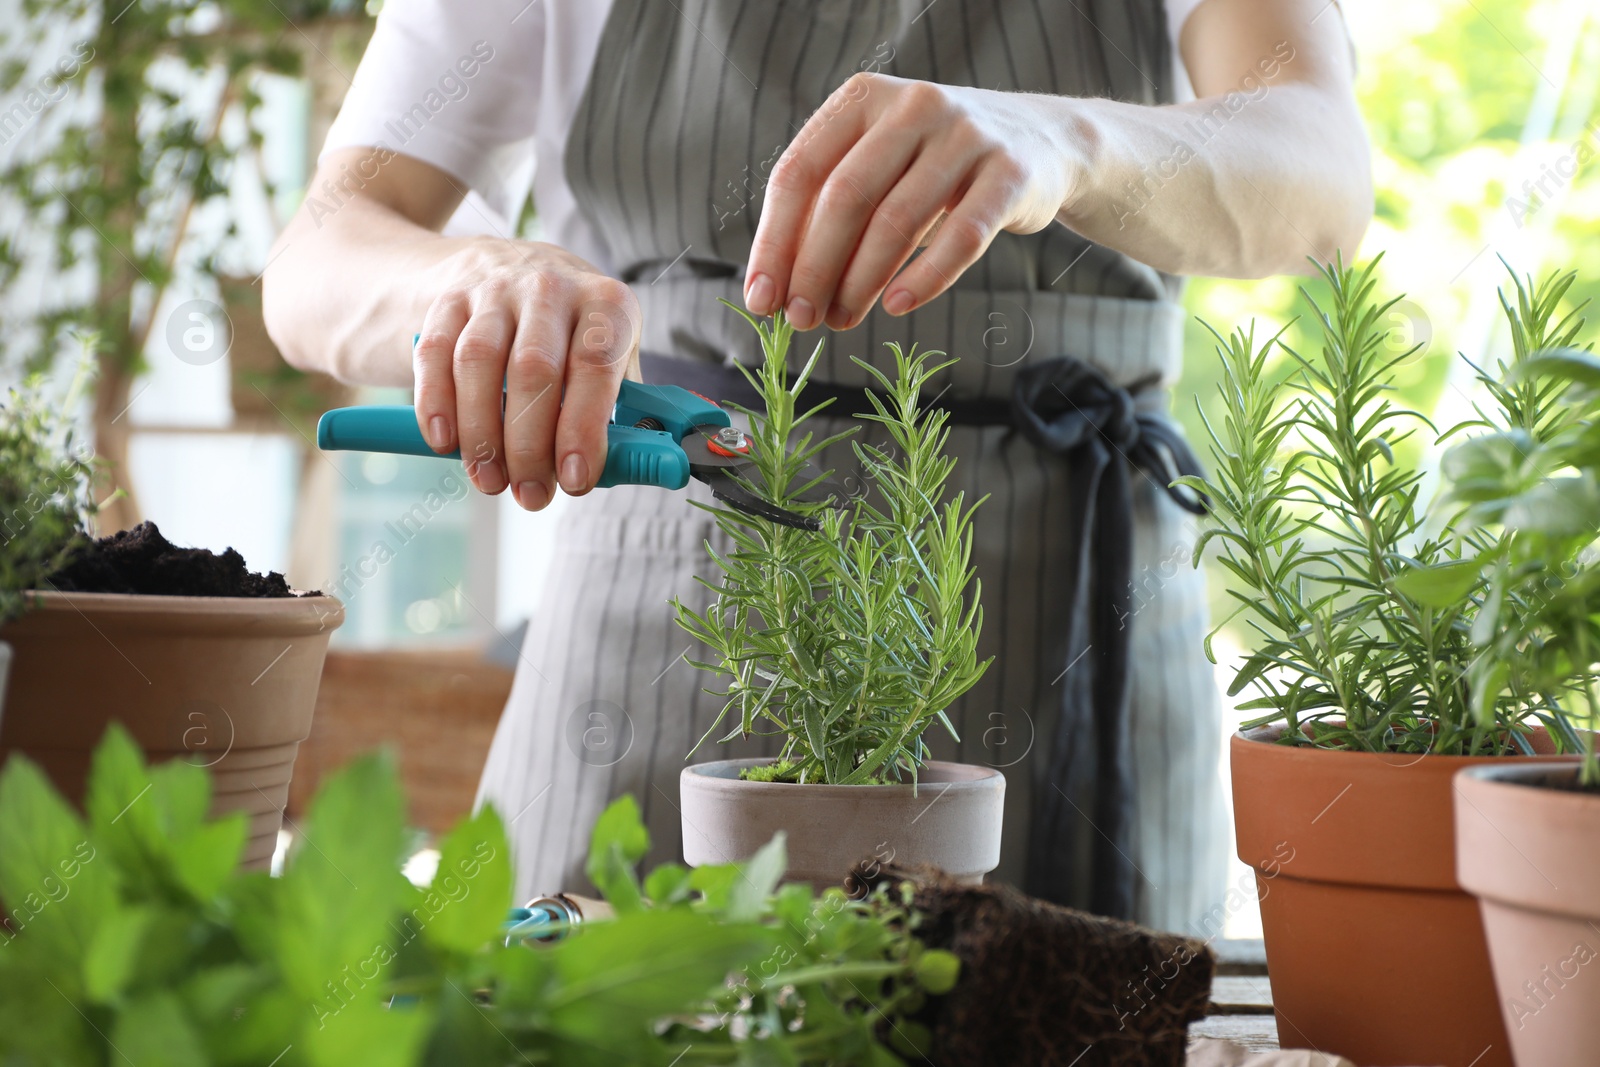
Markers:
{"x": 1046, "y": 985}
{"x": 142, "y": 561}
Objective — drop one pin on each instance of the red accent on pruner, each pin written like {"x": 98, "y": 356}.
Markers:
{"x": 703, "y": 396}
{"x": 718, "y": 450}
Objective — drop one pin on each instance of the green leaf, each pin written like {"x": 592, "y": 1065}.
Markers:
{"x": 154, "y": 1029}
{"x": 1567, "y": 364}
{"x": 619, "y": 976}
{"x": 1441, "y": 586}
{"x": 523, "y": 979}
{"x": 714, "y": 882}
{"x": 758, "y": 877}
{"x": 1489, "y": 466}
{"x": 474, "y": 877}
{"x": 1557, "y": 507}
{"x": 937, "y": 971}
{"x": 465, "y": 1033}
{"x": 253, "y": 1028}
{"x": 621, "y": 825}
{"x": 792, "y": 906}
{"x": 38, "y": 1024}
{"x": 221, "y": 994}
{"x": 154, "y": 821}
{"x": 342, "y": 884}
{"x": 113, "y": 953}
{"x": 1486, "y": 691}
{"x": 56, "y": 885}
{"x": 911, "y": 1038}
{"x": 367, "y": 1033}
{"x": 668, "y": 884}
{"x": 618, "y": 842}
{"x": 204, "y": 858}
{"x": 816, "y": 729}
{"x": 1253, "y": 668}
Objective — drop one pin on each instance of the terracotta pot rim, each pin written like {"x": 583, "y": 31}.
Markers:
{"x": 1522, "y": 847}
{"x": 723, "y": 776}
{"x": 200, "y": 614}
{"x": 1493, "y": 775}
{"x": 55, "y": 600}
{"x": 1265, "y": 736}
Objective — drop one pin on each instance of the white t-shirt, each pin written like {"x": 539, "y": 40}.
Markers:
{"x": 482, "y": 89}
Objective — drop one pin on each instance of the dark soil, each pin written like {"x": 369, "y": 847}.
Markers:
{"x": 141, "y": 561}
{"x": 1045, "y": 985}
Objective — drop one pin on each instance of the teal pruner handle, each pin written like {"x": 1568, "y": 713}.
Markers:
{"x": 634, "y": 455}
{"x": 374, "y": 428}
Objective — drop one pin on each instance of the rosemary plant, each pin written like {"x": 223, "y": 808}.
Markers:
{"x": 1370, "y": 625}
{"x": 851, "y": 642}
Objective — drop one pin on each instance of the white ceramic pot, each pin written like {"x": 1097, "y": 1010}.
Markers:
{"x": 951, "y": 820}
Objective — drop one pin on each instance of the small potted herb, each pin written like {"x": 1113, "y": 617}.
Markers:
{"x": 195, "y": 655}
{"x": 1371, "y": 690}
{"x": 1525, "y": 831}
{"x": 45, "y": 499}
{"x": 848, "y": 643}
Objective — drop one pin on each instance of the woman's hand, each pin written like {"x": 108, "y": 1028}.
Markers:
{"x": 557, "y": 333}
{"x": 888, "y": 165}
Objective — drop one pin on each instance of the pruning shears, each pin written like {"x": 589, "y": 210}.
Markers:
{"x": 659, "y": 435}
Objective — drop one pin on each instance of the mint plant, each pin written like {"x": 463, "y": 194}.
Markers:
{"x": 130, "y": 936}
{"x": 1531, "y": 485}
{"x": 46, "y": 490}
{"x": 851, "y": 642}
{"x": 1370, "y": 620}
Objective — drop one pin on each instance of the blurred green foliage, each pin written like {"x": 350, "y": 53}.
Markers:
{"x": 1446, "y": 88}
{"x": 111, "y": 149}
{"x": 130, "y": 936}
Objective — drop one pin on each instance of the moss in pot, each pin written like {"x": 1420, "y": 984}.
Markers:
{"x": 198, "y": 657}
{"x": 848, "y": 643}
{"x": 1372, "y": 690}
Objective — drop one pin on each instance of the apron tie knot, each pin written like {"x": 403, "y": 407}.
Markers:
{"x": 1061, "y": 403}
{"x": 1069, "y": 408}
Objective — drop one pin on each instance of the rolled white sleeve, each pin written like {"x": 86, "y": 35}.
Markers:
{"x": 455, "y": 85}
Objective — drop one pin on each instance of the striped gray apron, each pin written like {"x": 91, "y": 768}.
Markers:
{"x": 668, "y": 154}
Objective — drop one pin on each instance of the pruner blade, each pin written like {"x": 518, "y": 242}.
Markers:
{"x": 719, "y": 457}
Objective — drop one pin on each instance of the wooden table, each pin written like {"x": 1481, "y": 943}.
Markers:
{"x": 1241, "y": 998}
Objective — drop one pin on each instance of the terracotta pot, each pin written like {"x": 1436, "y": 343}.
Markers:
{"x": 1527, "y": 849}
{"x": 1375, "y": 951}
{"x": 226, "y": 683}
{"x": 951, "y": 820}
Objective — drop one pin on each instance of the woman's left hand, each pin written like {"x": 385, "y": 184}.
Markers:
{"x": 888, "y": 165}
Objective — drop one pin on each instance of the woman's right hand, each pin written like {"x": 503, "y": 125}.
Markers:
{"x": 363, "y": 264}
{"x": 559, "y": 334}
